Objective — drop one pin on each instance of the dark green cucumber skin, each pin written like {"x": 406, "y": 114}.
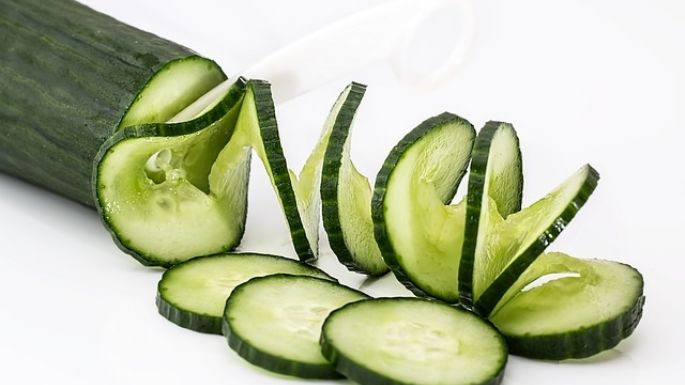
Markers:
{"x": 491, "y": 296}
{"x": 377, "y": 201}
{"x": 67, "y": 76}
{"x": 580, "y": 343}
{"x": 330, "y": 178}
{"x": 269, "y": 361}
{"x": 203, "y": 323}
{"x": 479, "y": 165}
{"x": 232, "y": 100}
{"x": 266, "y": 116}
{"x": 362, "y": 375}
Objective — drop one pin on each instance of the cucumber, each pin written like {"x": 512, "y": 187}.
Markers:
{"x": 510, "y": 245}
{"x": 346, "y": 194}
{"x": 501, "y": 240}
{"x": 193, "y": 294}
{"x": 496, "y": 174}
{"x": 412, "y": 341}
{"x": 275, "y": 322}
{"x": 257, "y": 128}
{"x": 591, "y": 308}
{"x": 419, "y": 234}
{"x": 170, "y": 192}
{"x": 68, "y": 74}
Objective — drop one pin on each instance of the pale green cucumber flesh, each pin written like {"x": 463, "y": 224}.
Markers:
{"x": 510, "y": 245}
{"x": 346, "y": 194}
{"x": 419, "y": 233}
{"x": 193, "y": 294}
{"x": 171, "y": 89}
{"x": 412, "y": 341}
{"x": 495, "y": 184}
{"x": 590, "y": 308}
{"x": 275, "y": 322}
{"x": 170, "y": 192}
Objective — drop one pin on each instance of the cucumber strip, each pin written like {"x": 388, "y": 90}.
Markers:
{"x": 346, "y": 194}
{"x": 496, "y": 176}
{"x": 169, "y": 192}
{"x": 171, "y": 89}
{"x": 508, "y": 246}
{"x": 193, "y": 294}
{"x": 275, "y": 322}
{"x": 299, "y": 197}
{"x": 394, "y": 341}
{"x": 420, "y": 236}
{"x": 571, "y": 317}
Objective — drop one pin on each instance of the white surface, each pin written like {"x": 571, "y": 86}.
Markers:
{"x": 583, "y": 81}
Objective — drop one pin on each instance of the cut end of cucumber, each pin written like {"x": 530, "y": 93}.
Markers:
{"x": 420, "y": 237}
{"x": 575, "y": 316}
{"x": 275, "y": 322}
{"x": 412, "y": 341}
{"x": 193, "y": 294}
{"x": 170, "y": 192}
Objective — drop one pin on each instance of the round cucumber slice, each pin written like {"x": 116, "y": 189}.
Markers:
{"x": 589, "y": 309}
{"x": 412, "y": 341}
{"x": 275, "y": 322}
{"x": 193, "y": 294}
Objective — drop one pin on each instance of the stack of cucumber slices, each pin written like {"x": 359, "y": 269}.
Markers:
{"x": 160, "y": 141}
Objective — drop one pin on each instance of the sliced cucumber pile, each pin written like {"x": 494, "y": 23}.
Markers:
{"x": 412, "y": 341}
{"x": 193, "y": 294}
{"x": 275, "y": 322}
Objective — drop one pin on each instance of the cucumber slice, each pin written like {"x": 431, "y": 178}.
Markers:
{"x": 257, "y": 128}
{"x": 420, "y": 236}
{"x": 193, "y": 294}
{"x": 346, "y": 194}
{"x": 412, "y": 341}
{"x": 172, "y": 88}
{"x": 496, "y": 175}
{"x": 575, "y": 316}
{"x": 510, "y": 245}
{"x": 275, "y": 322}
{"x": 168, "y": 192}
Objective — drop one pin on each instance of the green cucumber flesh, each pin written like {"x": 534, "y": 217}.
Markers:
{"x": 275, "y": 322}
{"x": 395, "y": 341}
{"x": 418, "y": 232}
{"x": 495, "y": 179}
{"x": 171, "y": 89}
{"x": 574, "y": 316}
{"x": 508, "y": 246}
{"x": 169, "y": 192}
{"x": 346, "y": 194}
{"x": 193, "y": 294}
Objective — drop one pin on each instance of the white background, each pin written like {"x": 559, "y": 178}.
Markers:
{"x": 600, "y": 82}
